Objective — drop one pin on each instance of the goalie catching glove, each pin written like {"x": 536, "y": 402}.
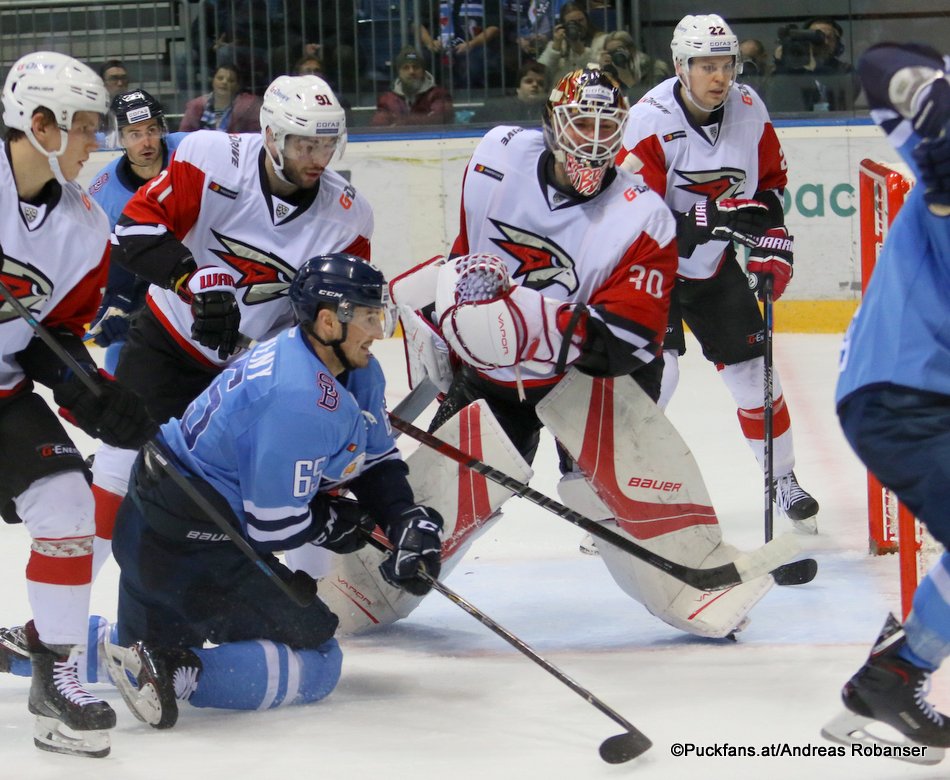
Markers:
{"x": 492, "y": 324}
{"x": 771, "y": 257}
{"x": 417, "y": 546}
{"x": 731, "y": 219}
{"x": 210, "y": 291}
{"x": 117, "y": 416}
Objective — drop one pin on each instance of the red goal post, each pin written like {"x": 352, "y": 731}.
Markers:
{"x": 891, "y": 526}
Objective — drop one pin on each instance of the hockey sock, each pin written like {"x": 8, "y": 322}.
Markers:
{"x": 262, "y": 675}
{"x": 928, "y": 625}
{"x": 107, "y": 507}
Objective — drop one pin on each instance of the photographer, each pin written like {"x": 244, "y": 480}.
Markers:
{"x": 636, "y": 71}
{"x": 812, "y": 77}
{"x": 574, "y": 44}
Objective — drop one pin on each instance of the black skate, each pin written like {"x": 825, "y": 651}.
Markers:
{"x": 69, "y": 719}
{"x": 12, "y": 646}
{"x": 891, "y": 690}
{"x": 796, "y": 504}
{"x": 152, "y": 680}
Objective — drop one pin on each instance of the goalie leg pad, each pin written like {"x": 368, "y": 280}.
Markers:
{"x": 354, "y": 589}
{"x": 652, "y": 485}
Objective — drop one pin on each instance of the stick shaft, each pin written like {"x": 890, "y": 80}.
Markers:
{"x": 768, "y": 440}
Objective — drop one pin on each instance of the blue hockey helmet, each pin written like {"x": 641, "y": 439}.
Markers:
{"x": 343, "y": 282}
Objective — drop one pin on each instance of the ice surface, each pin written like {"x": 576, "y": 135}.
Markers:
{"x": 439, "y": 696}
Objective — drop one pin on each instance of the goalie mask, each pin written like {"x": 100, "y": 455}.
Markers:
{"x": 705, "y": 35}
{"x": 302, "y": 106}
{"x": 60, "y": 84}
{"x": 584, "y": 120}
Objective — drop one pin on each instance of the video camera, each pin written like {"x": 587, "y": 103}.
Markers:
{"x": 797, "y": 45}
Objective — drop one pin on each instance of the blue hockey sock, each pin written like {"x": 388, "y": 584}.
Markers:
{"x": 261, "y": 675}
{"x": 928, "y": 625}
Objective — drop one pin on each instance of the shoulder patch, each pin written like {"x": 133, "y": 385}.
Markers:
{"x": 497, "y": 175}
{"x": 674, "y": 135}
{"x": 220, "y": 189}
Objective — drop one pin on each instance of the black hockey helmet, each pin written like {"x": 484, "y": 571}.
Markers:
{"x": 343, "y": 282}
{"x": 137, "y": 105}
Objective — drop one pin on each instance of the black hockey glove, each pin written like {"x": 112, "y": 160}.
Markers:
{"x": 346, "y": 527}
{"x": 732, "y": 219}
{"x": 117, "y": 415}
{"x": 416, "y": 541}
{"x": 932, "y": 156}
{"x": 112, "y": 320}
{"x": 933, "y": 112}
{"x": 304, "y": 586}
{"x": 217, "y": 322}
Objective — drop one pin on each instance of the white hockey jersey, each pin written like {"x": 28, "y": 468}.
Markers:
{"x": 53, "y": 262}
{"x": 686, "y": 163}
{"x": 213, "y": 198}
{"x": 613, "y": 252}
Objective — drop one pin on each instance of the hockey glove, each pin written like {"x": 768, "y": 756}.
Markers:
{"x": 417, "y": 545}
{"x": 217, "y": 316}
{"x": 932, "y": 156}
{"x": 117, "y": 415}
{"x": 772, "y": 257}
{"x": 112, "y": 320}
{"x": 932, "y": 107}
{"x": 731, "y": 219}
{"x": 346, "y": 527}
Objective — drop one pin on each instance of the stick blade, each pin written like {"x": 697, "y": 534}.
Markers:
{"x": 770, "y": 556}
{"x": 796, "y": 572}
{"x": 624, "y": 747}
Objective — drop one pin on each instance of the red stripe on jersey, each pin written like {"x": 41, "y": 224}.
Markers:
{"x": 650, "y": 152}
{"x": 460, "y": 245}
{"x": 182, "y": 342}
{"x": 78, "y": 308}
{"x": 639, "y": 288}
{"x": 360, "y": 247}
{"x": 772, "y": 166}
{"x": 172, "y": 199}
{"x": 752, "y": 421}
{"x": 73, "y": 570}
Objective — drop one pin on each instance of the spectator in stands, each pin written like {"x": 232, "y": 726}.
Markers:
{"x": 636, "y": 71}
{"x": 812, "y": 75}
{"x": 115, "y": 77}
{"x": 415, "y": 99}
{"x": 464, "y": 42}
{"x": 228, "y": 107}
{"x": 752, "y": 55}
{"x": 309, "y": 65}
{"x": 574, "y": 43}
{"x": 526, "y": 28}
{"x": 526, "y": 105}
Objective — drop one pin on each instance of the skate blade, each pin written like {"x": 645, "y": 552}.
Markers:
{"x": 847, "y": 728}
{"x": 54, "y": 736}
{"x": 807, "y": 527}
{"x": 124, "y": 666}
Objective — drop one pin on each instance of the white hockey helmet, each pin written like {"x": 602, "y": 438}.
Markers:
{"x": 301, "y": 105}
{"x": 54, "y": 81}
{"x": 703, "y": 35}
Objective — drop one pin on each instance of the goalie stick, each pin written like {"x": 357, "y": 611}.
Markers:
{"x": 747, "y": 566}
{"x": 614, "y": 750}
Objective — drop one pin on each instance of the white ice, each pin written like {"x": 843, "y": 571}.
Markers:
{"x": 439, "y": 696}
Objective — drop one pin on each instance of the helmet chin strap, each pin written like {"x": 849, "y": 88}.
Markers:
{"x": 278, "y": 165}
{"x": 52, "y": 157}
{"x": 684, "y": 80}
{"x": 335, "y": 345}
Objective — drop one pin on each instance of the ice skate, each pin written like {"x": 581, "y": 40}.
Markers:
{"x": 153, "y": 680}
{"x": 796, "y": 504}
{"x": 893, "y": 691}
{"x": 587, "y": 545}
{"x": 68, "y": 718}
{"x": 12, "y": 646}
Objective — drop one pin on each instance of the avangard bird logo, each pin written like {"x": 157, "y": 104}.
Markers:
{"x": 541, "y": 261}
{"x": 263, "y": 276}
{"x": 718, "y": 184}
{"x": 28, "y": 285}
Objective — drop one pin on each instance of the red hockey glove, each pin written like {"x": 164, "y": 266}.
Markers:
{"x": 772, "y": 257}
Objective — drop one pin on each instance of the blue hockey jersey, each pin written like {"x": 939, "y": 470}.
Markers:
{"x": 275, "y": 427}
{"x": 901, "y": 332}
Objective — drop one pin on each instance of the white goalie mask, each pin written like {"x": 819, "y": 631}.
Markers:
{"x": 59, "y": 83}
{"x": 584, "y": 120}
{"x": 705, "y": 35}
{"x": 302, "y": 106}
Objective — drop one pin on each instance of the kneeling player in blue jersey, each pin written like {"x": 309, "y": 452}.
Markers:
{"x": 298, "y": 416}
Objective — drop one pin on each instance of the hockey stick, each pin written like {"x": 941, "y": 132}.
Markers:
{"x": 797, "y": 572}
{"x": 613, "y": 750}
{"x": 747, "y": 566}
{"x": 415, "y": 403}
{"x": 298, "y": 596}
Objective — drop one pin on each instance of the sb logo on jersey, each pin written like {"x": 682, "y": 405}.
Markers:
{"x": 716, "y": 184}
{"x": 541, "y": 261}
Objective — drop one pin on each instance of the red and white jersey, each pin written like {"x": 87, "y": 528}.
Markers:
{"x": 614, "y": 252}
{"x": 686, "y": 163}
{"x": 54, "y": 262}
{"x": 214, "y": 198}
